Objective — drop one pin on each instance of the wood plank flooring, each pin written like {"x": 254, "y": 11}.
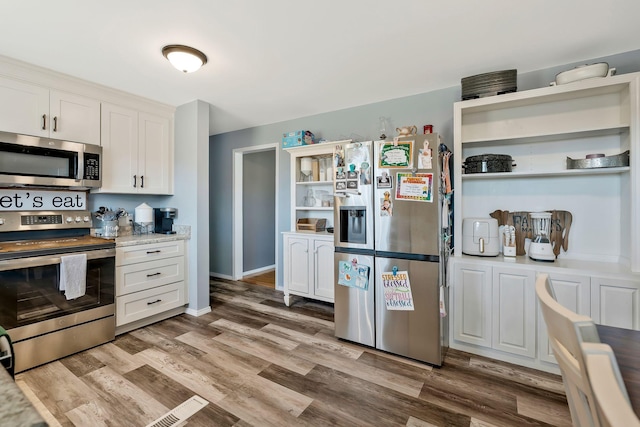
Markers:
{"x": 260, "y": 363}
{"x": 267, "y": 278}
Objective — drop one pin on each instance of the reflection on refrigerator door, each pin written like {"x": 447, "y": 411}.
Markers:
{"x": 354, "y": 308}
{"x": 408, "y": 321}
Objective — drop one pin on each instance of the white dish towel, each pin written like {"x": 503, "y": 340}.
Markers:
{"x": 73, "y": 275}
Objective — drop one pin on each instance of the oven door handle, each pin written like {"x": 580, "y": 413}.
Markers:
{"x": 40, "y": 261}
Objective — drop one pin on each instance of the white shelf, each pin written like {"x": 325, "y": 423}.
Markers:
{"x": 524, "y": 138}
{"x": 313, "y": 183}
{"x": 532, "y": 174}
{"x": 314, "y": 208}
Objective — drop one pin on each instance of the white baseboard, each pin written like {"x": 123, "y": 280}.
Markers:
{"x": 220, "y": 276}
{"x": 259, "y": 270}
{"x": 197, "y": 313}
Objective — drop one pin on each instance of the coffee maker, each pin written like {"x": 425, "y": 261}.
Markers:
{"x": 163, "y": 220}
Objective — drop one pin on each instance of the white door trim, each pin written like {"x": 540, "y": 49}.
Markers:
{"x": 236, "y": 244}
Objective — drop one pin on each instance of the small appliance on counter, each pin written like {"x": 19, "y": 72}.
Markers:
{"x": 163, "y": 218}
{"x": 143, "y": 217}
{"x": 540, "y": 248}
{"x": 480, "y": 236}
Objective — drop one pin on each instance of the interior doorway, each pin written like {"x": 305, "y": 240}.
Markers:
{"x": 250, "y": 244}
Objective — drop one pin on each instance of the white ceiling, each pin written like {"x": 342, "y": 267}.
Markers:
{"x": 274, "y": 60}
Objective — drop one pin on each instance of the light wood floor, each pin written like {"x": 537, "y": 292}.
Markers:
{"x": 260, "y": 363}
{"x": 268, "y": 279}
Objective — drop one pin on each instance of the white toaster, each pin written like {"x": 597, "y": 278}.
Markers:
{"x": 480, "y": 236}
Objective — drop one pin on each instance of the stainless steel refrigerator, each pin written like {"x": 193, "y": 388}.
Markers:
{"x": 392, "y": 234}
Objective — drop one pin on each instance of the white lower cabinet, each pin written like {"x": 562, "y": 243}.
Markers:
{"x": 472, "y": 302}
{"x": 513, "y": 311}
{"x": 150, "y": 280}
{"x": 615, "y": 302}
{"x": 308, "y": 266}
{"x": 495, "y": 312}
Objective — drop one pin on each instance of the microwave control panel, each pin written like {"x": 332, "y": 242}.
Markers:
{"x": 92, "y": 166}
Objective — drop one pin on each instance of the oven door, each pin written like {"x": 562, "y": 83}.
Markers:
{"x": 32, "y": 304}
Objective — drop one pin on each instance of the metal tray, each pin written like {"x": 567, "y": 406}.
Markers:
{"x": 616, "y": 161}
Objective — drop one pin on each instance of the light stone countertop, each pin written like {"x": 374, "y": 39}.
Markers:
{"x": 15, "y": 408}
{"x": 141, "y": 239}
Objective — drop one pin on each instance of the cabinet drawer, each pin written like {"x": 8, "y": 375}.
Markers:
{"x": 147, "y": 275}
{"x": 140, "y": 253}
{"x": 139, "y": 305}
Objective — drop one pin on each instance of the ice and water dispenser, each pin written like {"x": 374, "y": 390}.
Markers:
{"x": 353, "y": 224}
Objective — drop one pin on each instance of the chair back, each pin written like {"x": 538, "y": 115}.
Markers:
{"x": 612, "y": 400}
{"x": 567, "y": 331}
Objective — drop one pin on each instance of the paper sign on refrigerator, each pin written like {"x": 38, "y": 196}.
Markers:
{"x": 416, "y": 187}
{"x": 397, "y": 290}
{"x": 353, "y": 275}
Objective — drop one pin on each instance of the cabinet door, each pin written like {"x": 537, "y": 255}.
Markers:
{"x": 24, "y": 108}
{"x": 573, "y": 292}
{"x": 472, "y": 304}
{"x": 514, "y": 311}
{"x": 323, "y": 268}
{"x": 154, "y": 156}
{"x": 74, "y": 118}
{"x": 298, "y": 268}
{"x": 119, "y": 149}
{"x": 614, "y": 302}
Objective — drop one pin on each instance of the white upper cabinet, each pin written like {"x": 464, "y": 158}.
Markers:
{"x": 35, "y": 110}
{"x": 74, "y": 118}
{"x": 137, "y": 152}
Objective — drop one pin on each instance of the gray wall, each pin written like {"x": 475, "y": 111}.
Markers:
{"x": 259, "y": 209}
{"x": 360, "y": 123}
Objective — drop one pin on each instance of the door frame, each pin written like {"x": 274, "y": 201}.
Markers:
{"x": 237, "y": 217}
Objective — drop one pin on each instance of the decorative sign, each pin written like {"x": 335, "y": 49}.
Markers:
{"x": 42, "y": 200}
{"x": 396, "y": 155}
{"x": 353, "y": 275}
{"x": 397, "y": 290}
{"x": 416, "y": 187}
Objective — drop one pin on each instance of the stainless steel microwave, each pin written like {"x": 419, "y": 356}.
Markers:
{"x": 30, "y": 160}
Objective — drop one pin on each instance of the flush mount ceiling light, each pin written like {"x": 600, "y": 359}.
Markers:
{"x": 184, "y": 58}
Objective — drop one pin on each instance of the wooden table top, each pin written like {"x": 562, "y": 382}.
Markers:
{"x": 626, "y": 346}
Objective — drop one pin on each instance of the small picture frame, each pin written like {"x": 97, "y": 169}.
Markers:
{"x": 384, "y": 181}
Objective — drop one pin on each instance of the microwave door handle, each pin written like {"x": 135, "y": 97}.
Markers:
{"x": 80, "y": 167}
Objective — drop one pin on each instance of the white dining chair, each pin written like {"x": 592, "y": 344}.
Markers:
{"x": 609, "y": 391}
{"x": 567, "y": 331}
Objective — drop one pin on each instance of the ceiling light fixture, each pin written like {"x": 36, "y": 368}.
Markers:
{"x": 184, "y": 58}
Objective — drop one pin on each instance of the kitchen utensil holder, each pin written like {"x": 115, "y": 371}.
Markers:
{"x": 144, "y": 228}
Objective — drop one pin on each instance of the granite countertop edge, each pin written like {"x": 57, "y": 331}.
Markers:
{"x": 15, "y": 408}
{"x": 141, "y": 239}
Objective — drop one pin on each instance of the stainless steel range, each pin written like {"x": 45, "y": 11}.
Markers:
{"x": 42, "y": 321}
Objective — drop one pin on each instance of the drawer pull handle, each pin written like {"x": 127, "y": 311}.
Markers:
{"x": 154, "y": 252}
{"x": 154, "y": 274}
{"x": 44, "y": 122}
{"x": 154, "y": 302}
{"x": 55, "y": 123}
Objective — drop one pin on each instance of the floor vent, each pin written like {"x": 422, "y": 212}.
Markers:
{"x": 180, "y": 413}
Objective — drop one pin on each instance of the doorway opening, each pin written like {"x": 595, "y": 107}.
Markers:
{"x": 255, "y": 250}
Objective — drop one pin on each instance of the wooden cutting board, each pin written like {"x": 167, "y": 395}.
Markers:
{"x": 560, "y": 226}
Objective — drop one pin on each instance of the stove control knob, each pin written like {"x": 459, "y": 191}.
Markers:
{"x": 87, "y": 218}
{"x": 78, "y": 219}
{"x": 1, "y": 221}
{"x": 69, "y": 219}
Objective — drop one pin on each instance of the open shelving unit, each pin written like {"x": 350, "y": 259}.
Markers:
{"x": 540, "y": 129}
